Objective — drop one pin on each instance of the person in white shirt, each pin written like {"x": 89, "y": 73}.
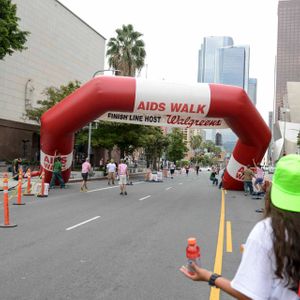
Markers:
{"x": 111, "y": 170}
{"x": 270, "y": 266}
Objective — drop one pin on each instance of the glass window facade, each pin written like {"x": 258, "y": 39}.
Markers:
{"x": 207, "y": 56}
{"x": 222, "y": 62}
{"x": 232, "y": 66}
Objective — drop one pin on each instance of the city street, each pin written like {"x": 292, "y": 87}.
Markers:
{"x": 101, "y": 245}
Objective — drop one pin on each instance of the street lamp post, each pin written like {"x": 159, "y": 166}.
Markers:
{"x": 284, "y": 111}
{"x": 298, "y": 143}
{"x": 90, "y": 124}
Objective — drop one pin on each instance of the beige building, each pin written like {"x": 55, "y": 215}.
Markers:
{"x": 287, "y": 129}
{"x": 61, "y": 48}
{"x": 288, "y": 49}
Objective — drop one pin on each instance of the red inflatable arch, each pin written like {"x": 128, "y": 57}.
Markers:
{"x": 198, "y": 104}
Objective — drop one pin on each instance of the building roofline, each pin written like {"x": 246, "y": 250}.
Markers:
{"x": 80, "y": 19}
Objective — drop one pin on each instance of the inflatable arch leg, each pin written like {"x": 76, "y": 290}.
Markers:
{"x": 121, "y": 94}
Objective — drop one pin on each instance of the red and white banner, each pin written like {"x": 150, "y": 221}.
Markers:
{"x": 47, "y": 161}
{"x": 235, "y": 169}
{"x": 168, "y": 120}
{"x": 169, "y": 104}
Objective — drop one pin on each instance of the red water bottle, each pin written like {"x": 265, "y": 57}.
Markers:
{"x": 192, "y": 253}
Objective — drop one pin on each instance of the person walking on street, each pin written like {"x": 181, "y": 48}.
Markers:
{"x": 197, "y": 169}
{"x": 85, "y": 169}
{"x": 111, "y": 170}
{"x": 16, "y": 166}
{"x": 172, "y": 169}
{"x": 57, "y": 168}
{"x": 270, "y": 265}
{"x": 187, "y": 168}
{"x": 259, "y": 178}
{"x": 221, "y": 172}
{"x": 123, "y": 173}
{"x": 247, "y": 178}
{"x": 214, "y": 176}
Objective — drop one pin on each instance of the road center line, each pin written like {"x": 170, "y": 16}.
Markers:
{"x": 145, "y": 197}
{"x": 106, "y": 188}
{"x": 228, "y": 237}
{"x": 215, "y": 293}
{"x": 82, "y": 223}
{"x": 180, "y": 183}
{"x": 168, "y": 188}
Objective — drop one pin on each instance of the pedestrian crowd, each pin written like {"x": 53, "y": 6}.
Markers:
{"x": 114, "y": 171}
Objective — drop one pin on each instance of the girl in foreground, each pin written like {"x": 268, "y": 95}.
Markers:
{"x": 270, "y": 266}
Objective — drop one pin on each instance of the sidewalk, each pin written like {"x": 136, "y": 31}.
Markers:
{"x": 74, "y": 177}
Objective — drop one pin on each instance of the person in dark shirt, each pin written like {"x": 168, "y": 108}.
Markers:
{"x": 16, "y": 165}
{"x": 57, "y": 168}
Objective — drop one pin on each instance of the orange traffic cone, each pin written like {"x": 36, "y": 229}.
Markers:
{"x": 42, "y": 192}
{"x": 19, "y": 201}
{"x": 29, "y": 186}
{"x": 5, "y": 205}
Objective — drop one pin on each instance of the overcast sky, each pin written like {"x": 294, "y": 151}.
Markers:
{"x": 174, "y": 30}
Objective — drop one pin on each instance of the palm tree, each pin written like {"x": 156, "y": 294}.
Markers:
{"x": 195, "y": 142}
{"x": 126, "y": 52}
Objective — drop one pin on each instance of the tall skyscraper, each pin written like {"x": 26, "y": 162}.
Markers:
{"x": 207, "y": 56}
{"x": 222, "y": 62}
{"x": 232, "y": 66}
{"x": 252, "y": 89}
{"x": 207, "y": 64}
{"x": 288, "y": 50}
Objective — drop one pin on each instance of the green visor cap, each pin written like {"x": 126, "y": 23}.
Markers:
{"x": 285, "y": 192}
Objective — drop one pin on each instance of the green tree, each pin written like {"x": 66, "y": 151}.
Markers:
{"x": 53, "y": 96}
{"x": 128, "y": 138}
{"x": 177, "y": 147}
{"x": 154, "y": 143}
{"x": 11, "y": 37}
{"x": 109, "y": 134}
{"x": 126, "y": 52}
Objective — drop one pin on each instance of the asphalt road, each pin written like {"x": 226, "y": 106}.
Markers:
{"x": 101, "y": 245}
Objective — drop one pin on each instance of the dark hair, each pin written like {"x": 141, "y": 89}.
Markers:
{"x": 286, "y": 245}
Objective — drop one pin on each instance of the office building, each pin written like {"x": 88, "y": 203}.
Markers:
{"x": 207, "y": 56}
{"x": 61, "y": 48}
{"x": 220, "y": 61}
{"x": 252, "y": 90}
{"x": 288, "y": 49}
{"x": 232, "y": 66}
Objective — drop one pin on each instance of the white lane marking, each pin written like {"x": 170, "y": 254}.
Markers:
{"x": 109, "y": 187}
{"x": 82, "y": 223}
{"x": 106, "y": 188}
{"x": 145, "y": 197}
{"x": 180, "y": 183}
{"x": 169, "y": 188}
